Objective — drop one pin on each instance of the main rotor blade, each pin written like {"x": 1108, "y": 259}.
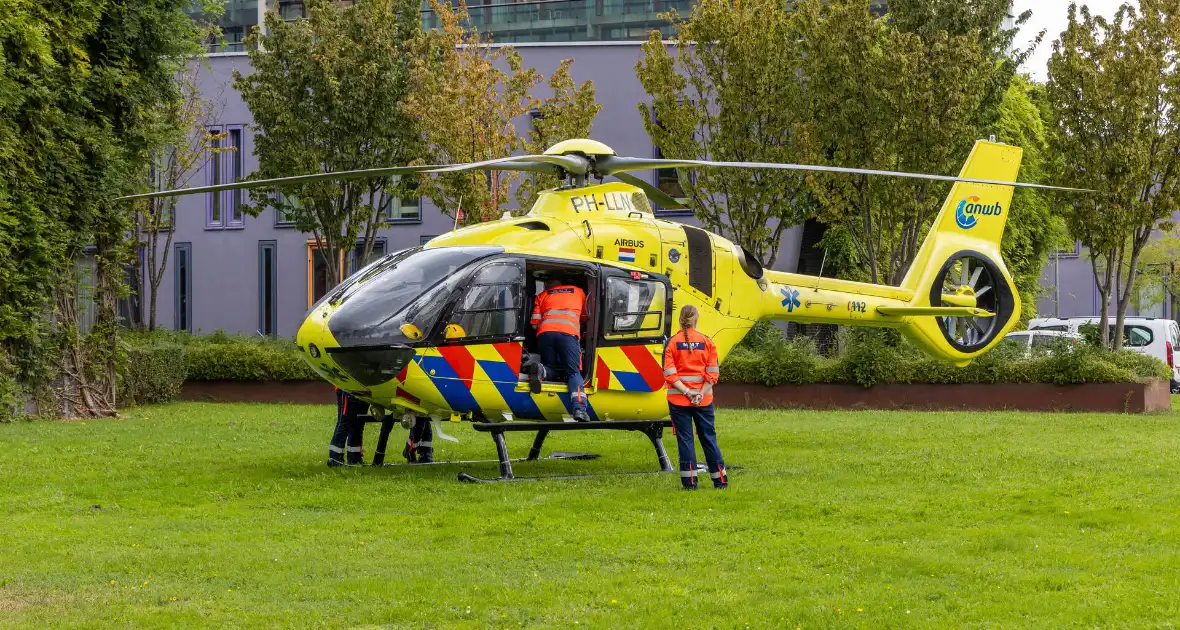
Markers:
{"x": 573, "y": 164}
{"x": 659, "y": 197}
{"x": 610, "y": 165}
{"x": 280, "y": 181}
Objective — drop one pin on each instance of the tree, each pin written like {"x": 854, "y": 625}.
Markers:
{"x": 327, "y": 93}
{"x": 731, "y": 93}
{"x": 76, "y": 83}
{"x": 1112, "y": 86}
{"x": 185, "y": 142}
{"x": 1033, "y": 228}
{"x": 888, "y": 99}
{"x": 568, "y": 113}
{"x": 1160, "y": 270}
{"x": 982, "y": 19}
{"x": 466, "y": 94}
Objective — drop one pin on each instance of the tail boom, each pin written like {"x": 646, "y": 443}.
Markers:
{"x": 957, "y": 300}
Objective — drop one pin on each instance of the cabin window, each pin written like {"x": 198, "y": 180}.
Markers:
{"x": 491, "y": 306}
{"x": 634, "y": 308}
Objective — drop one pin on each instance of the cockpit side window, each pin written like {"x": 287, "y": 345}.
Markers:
{"x": 400, "y": 302}
{"x": 492, "y": 304}
{"x": 634, "y": 308}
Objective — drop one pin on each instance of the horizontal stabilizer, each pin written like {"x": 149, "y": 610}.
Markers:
{"x": 933, "y": 311}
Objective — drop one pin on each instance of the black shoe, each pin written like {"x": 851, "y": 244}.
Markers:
{"x": 688, "y": 487}
{"x": 333, "y": 463}
{"x": 721, "y": 486}
{"x": 580, "y": 415}
{"x": 426, "y": 456}
{"x": 531, "y": 366}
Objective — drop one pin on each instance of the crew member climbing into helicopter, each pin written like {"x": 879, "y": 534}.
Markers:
{"x": 350, "y": 431}
{"x": 690, "y": 371}
{"x": 558, "y": 313}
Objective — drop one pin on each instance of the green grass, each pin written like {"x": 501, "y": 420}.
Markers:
{"x": 225, "y": 515}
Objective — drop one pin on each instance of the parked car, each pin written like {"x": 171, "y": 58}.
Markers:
{"x": 1036, "y": 339}
{"x": 1155, "y": 337}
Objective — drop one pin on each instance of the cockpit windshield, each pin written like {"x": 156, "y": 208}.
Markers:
{"x": 399, "y": 294}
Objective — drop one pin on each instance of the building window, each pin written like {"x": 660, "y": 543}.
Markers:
{"x": 267, "y": 288}
{"x": 233, "y": 166}
{"x": 402, "y": 209}
{"x": 184, "y": 287}
{"x": 213, "y": 217}
{"x": 319, "y": 277}
{"x": 284, "y": 209}
{"x": 1076, "y": 252}
{"x": 357, "y": 259}
{"x": 668, "y": 180}
{"x": 224, "y": 166}
{"x": 425, "y": 238}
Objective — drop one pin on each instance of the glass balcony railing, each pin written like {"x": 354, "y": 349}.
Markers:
{"x": 567, "y": 20}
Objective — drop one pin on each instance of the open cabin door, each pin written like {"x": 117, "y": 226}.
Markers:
{"x": 477, "y": 362}
{"x": 633, "y": 326}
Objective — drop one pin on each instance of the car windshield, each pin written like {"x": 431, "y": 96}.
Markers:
{"x": 1048, "y": 341}
{"x": 1018, "y": 341}
{"x": 413, "y": 290}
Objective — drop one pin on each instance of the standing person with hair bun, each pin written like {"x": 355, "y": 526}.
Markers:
{"x": 690, "y": 371}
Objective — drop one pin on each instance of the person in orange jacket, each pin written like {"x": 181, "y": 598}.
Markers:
{"x": 690, "y": 371}
{"x": 558, "y": 313}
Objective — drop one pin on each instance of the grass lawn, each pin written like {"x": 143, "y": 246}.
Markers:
{"x": 225, "y": 515}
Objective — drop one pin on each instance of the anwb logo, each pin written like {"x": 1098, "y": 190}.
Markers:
{"x": 969, "y": 211}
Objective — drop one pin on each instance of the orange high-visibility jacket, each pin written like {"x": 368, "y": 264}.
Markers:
{"x": 690, "y": 358}
{"x": 560, "y": 309}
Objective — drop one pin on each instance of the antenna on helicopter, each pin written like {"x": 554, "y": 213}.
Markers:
{"x": 822, "y": 262}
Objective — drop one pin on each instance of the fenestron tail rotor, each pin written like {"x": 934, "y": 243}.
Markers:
{"x": 969, "y": 276}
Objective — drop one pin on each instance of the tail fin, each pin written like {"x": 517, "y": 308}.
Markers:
{"x": 960, "y": 263}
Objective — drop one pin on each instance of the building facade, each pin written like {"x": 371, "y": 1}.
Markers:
{"x": 259, "y": 275}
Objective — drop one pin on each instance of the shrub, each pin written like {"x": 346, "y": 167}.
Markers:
{"x": 763, "y": 335}
{"x": 151, "y": 374}
{"x": 222, "y": 356}
{"x": 871, "y": 356}
{"x": 238, "y": 361}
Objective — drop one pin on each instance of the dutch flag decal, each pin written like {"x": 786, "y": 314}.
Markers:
{"x": 627, "y": 254}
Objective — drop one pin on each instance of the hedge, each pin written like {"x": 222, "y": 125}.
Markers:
{"x": 224, "y": 357}
{"x": 866, "y": 357}
{"x": 872, "y": 356}
{"x": 152, "y": 374}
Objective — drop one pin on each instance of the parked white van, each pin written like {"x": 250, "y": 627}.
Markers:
{"x": 1146, "y": 335}
{"x": 1031, "y": 340}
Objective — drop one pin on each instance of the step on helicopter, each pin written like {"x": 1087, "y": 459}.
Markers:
{"x": 440, "y": 332}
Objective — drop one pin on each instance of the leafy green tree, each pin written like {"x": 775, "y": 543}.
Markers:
{"x": 327, "y": 93}
{"x": 1112, "y": 86}
{"x": 568, "y": 113}
{"x": 466, "y": 95}
{"x": 1033, "y": 228}
{"x": 982, "y": 19}
{"x": 885, "y": 98}
{"x": 76, "y": 82}
{"x": 1160, "y": 270}
{"x": 730, "y": 92}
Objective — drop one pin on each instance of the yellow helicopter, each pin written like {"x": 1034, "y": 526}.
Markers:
{"x": 440, "y": 331}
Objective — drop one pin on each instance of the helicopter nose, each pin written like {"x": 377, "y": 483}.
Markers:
{"x": 314, "y": 340}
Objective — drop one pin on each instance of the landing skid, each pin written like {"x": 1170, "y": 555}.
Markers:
{"x": 653, "y": 429}
{"x": 556, "y": 455}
